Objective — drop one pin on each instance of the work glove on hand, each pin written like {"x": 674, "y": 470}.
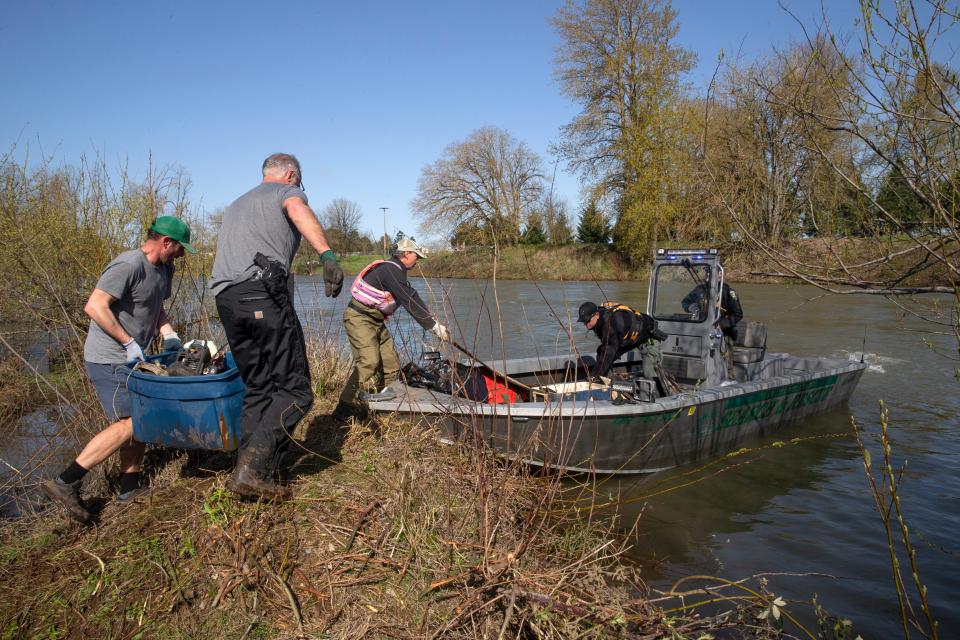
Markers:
{"x": 172, "y": 342}
{"x": 134, "y": 351}
{"x": 441, "y": 332}
{"x": 332, "y": 274}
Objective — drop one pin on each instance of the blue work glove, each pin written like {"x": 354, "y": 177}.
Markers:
{"x": 172, "y": 342}
{"x": 134, "y": 352}
{"x": 332, "y": 274}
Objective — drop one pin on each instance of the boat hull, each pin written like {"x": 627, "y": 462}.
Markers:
{"x": 603, "y": 437}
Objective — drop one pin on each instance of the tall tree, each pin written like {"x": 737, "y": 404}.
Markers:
{"x": 902, "y": 111}
{"x": 490, "y": 180}
{"x": 772, "y": 168}
{"x": 617, "y": 60}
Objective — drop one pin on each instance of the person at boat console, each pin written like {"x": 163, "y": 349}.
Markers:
{"x": 731, "y": 312}
{"x": 376, "y": 294}
{"x": 622, "y": 329}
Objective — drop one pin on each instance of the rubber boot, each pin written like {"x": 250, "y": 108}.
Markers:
{"x": 343, "y": 412}
{"x": 68, "y": 496}
{"x": 249, "y": 482}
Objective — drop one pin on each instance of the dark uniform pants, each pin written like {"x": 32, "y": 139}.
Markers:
{"x": 268, "y": 346}
{"x": 375, "y": 361}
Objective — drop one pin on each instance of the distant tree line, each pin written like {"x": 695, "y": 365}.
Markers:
{"x": 823, "y": 138}
{"x": 341, "y": 220}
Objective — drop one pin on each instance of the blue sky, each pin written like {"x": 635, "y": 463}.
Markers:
{"x": 365, "y": 95}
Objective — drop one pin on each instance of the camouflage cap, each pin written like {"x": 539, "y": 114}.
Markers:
{"x": 409, "y": 244}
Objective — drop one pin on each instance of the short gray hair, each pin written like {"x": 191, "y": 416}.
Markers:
{"x": 279, "y": 163}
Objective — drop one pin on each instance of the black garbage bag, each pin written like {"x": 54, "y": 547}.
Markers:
{"x": 435, "y": 377}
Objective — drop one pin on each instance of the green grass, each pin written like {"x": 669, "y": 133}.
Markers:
{"x": 355, "y": 264}
{"x": 352, "y": 265}
{"x": 19, "y": 547}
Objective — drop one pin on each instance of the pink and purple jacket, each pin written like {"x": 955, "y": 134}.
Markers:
{"x": 370, "y": 296}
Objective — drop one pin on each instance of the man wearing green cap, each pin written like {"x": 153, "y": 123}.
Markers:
{"x": 126, "y": 312}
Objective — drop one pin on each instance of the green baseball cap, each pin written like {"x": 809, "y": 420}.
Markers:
{"x": 175, "y": 229}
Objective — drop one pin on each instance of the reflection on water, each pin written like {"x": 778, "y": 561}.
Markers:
{"x": 803, "y": 508}
{"x": 684, "y": 510}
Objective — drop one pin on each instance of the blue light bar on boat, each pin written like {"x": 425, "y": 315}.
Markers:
{"x": 701, "y": 255}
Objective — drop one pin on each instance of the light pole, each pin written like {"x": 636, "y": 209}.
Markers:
{"x": 384, "y": 209}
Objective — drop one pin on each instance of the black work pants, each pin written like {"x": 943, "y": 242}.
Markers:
{"x": 267, "y": 342}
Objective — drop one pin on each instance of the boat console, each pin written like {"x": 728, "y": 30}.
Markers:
{"x": 684, "y": 297}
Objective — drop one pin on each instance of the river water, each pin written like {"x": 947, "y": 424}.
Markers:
{"x": 801, "y": 511}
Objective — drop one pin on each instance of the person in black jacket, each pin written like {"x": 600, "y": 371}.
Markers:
{"x": 695, "y": 303}
{"x": 622, "y": 329}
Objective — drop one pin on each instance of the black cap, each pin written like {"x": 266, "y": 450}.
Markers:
{"x": 586, "y": 311}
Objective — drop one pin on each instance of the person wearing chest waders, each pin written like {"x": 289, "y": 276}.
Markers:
{"x": 126, "y": 313}
{"x": 376, "y": 294}
{"x": 622, "y": 329}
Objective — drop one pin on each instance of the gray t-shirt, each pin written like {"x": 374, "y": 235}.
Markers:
{"x": 140, "y": 289}
{"x": 255, "y": 222}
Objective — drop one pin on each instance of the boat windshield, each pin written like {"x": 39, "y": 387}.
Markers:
{"x": 681, "y": 292}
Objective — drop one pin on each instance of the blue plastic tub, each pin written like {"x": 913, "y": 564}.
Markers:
{"x": 188, "y": 412}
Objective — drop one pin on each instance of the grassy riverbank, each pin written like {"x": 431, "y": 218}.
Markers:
{"x": 390, "y": 534}
{"x": 601, "y": 262}
{"x": 572, "y": 262}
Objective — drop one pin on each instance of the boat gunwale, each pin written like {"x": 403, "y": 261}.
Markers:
{"x": 440, "y": 403}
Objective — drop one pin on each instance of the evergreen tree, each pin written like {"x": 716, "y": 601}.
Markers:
{"x": 901, "y": 202}
{"x": 594, "y": 228}
{"x": 555, "y": 222}
{"x": 534, "y": 233}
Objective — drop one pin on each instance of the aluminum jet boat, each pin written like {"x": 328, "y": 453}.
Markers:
{"x": 708, "y": 399}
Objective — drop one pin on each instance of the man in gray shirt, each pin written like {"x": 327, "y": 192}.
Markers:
{"x": 126, "y": 311}
{"x": 259, "y": 235}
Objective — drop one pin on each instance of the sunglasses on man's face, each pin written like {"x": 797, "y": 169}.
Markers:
{"x": 299, "y": 181}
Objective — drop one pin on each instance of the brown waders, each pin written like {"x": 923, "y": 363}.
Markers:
{"x": 728, "y": 356}
{"x": 650, "y": 358}
{"x": 375, "y": 361}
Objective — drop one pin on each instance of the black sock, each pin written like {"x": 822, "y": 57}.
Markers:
{"x": 129, "y": 481}
{"x": 73, "y": 473}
